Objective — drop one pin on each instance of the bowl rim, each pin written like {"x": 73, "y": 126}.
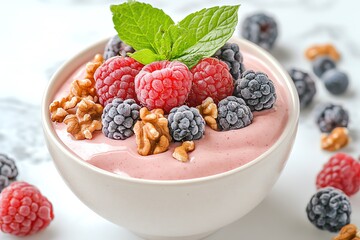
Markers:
{"x": 291, "y": 125}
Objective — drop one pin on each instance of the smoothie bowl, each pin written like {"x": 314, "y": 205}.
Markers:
{"x": 158, "y": 197}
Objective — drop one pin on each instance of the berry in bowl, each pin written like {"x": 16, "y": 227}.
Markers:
{"x": 169, "y": 136}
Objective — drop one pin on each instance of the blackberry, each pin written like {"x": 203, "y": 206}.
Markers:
{"x": 256, "y": 89}
{"x": 119, "y": 117}
{"x": 260, "y": 29}
{"x": 233, "y": 113}
{"x": 331, "y": 116}
{"x": 322, "y": 64}
{"x": 116, "y": 47}
{"x": 231, "y": 55}
{"x": 305, "y": 86}
{"x": 336, "y": 82}
{"x": 329, "y": 209}
{"x": 8, "y": 171}
{"x": 186, "y": 123}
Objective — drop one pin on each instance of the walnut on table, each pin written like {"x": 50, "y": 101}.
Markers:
{"x": 337, "y": 139}
{"x": 348, "y": 232}
{"x": 209, "y": 111}
{"x": 322, "y": 50}
{"x": 152, "y": 132}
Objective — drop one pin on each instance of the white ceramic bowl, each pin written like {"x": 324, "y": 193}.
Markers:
{"x": 176, "y": 209}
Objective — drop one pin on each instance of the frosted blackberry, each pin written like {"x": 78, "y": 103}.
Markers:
{"x": 8, "y": 171}
{"x": 256, "y": 89}
{"x": 322, "y": 64}
{"x": 336, "y": 82}
{"x": 231, "y": 55}
{"x": 116, "y": 47}
{"x": 186, "y": 123}
{"x": 305, "y": 86}
{"x": 260, "y": 29}
{"x": 329, "y": 209}
{"x": 331, "y": 116}
{"x": 233, "y": 113}
{"x": 119, "y": 117}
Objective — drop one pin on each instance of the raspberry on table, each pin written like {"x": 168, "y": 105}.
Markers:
{"x": 119, "y": 118}
{"x": 336, "y": 82}
{"x": 342, "y": 172}
{"x": 233, "y": 113}
{"x": 256, "y": 89}
{"x": 116, "y": 47}
{"x": 329, "y": 209}
{"x": 24, "y": 210}
{"x": 115, "y": 79}
{"x": 211, "y": 79}
{"x": 231, "y": 55}
{"x": 8, "y": 171}
{"x": 305, "y": 86}
{"x": 163, "y": 84}
{"x": 330, "y": 116}
{"x": 260, "y": 29}
{"x": 322, "y": 64}
{"x": 186, "y": 123}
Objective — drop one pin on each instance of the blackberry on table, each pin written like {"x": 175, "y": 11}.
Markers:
{"x": 233, "y": 113}
{"x": 330, "y": 116}
{"x": 322, "y": 64}
{"x": 119, "y": 118}
{"x": 336, "y": 82}
{"x": 116, "y": 47}
{"x": 231, "y": 55}
{"x": 256, "y": 89}
{"x": 186, "y": 123}
{"x": 305, "y": 86}
{"x": 8, "y": 171}
{"x": 260, "y": 29}
{"x": 329, "y": 209}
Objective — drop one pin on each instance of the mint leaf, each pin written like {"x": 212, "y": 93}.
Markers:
{"x": 138, "y": 23}
{"x": 206, "y": 31}
{"x": 146, "y": 56}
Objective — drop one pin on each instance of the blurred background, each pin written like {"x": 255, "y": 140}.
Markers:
{"x": 37, "y": 36}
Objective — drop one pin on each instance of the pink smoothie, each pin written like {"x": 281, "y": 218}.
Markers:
{"x": 216, "y": 152}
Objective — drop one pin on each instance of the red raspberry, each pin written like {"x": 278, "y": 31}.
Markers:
{"x": 342, "y": 172}
{"x": 23, "y": 210}
{"x": 212, "y": 78}
{"x": 115, "y": 79}
{"x": 163, "y": 85}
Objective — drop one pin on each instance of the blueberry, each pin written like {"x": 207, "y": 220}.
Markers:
{"x": 336, "y": 82}
{"x": 323, "y": 64}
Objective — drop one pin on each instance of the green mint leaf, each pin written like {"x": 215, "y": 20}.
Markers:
{"x": 138, "y": 23}
{"x": 206, "y": 31}
{"x": 146, "y": 56}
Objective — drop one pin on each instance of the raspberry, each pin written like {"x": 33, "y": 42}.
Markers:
{"x": 322, "y": 64}
{"x": 233, "y": 113}
{"x": 336, "y": 82}
{"x": 8, "y": 171}
{"x": 231, "y": 55}
{"x": 305, "y": 86}
{"x": 24, "y": 210}
{"x": 211, "y": 79}
{"x": 329, "y": 209}
{"x": 116, "y": 47}
{"x": 342, "y": 172}
{"x": 119, "y": 118}
{"x": 331, "y": 116}
{"x": 260, "y": 29}
{"x": 186, "y": 123}
{"x": 163, "y": 84}
{"x": 115, "y": 79}
{"x": 256, "y": 89}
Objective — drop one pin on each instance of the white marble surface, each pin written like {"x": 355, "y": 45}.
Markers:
{"x": 38, "y": 35}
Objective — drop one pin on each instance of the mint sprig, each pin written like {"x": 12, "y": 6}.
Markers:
{"x": 156, "y": 37}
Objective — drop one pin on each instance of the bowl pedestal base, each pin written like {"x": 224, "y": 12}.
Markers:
{"x": 192, "y": 237}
